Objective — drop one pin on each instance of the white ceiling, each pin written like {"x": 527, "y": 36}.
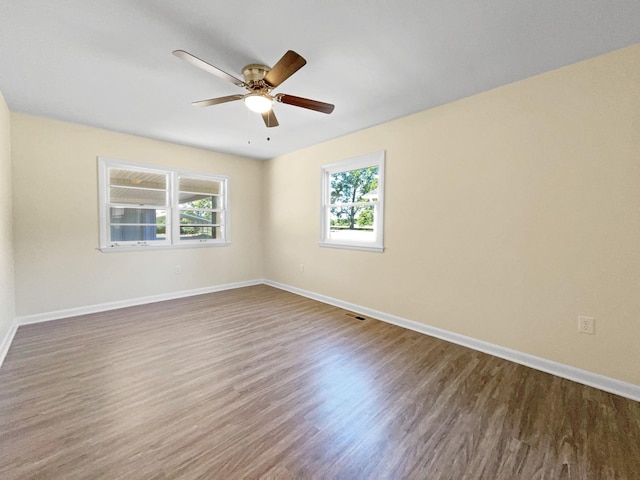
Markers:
{"x": 108, "y": 63}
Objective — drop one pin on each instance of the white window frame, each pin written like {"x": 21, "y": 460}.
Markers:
{"x": 374, "y": 159}
{"x": 172, "y": 208}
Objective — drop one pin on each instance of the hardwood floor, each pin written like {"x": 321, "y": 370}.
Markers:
{"x": 261, "y": 383}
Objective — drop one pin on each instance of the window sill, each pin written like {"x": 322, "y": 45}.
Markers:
{"x": 141, "y": 248}
{"x": 348, "y": 246}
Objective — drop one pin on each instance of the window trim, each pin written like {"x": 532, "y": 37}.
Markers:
{"x": 172, "y": 208}
{"x": 373, "y": 159}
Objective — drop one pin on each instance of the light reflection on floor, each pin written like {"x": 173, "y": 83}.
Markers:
{"x": 349, "y": 399}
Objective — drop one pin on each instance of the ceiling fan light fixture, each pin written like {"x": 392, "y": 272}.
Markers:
{"x": 259, "y": 80}
{"x": 258, "y": 102}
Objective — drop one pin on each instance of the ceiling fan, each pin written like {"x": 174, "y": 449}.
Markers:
{"x": 260, "y": 80}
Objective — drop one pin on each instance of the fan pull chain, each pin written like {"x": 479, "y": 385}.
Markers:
{"x": 248, "y": 127}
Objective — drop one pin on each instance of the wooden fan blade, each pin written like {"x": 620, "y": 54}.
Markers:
{"x": 289, "y": 64}
{"x": 193, "y": 60}
{"x": 270, "y": 119}
{"x": 216, "y": 101}
{"x": 305, "y": 103}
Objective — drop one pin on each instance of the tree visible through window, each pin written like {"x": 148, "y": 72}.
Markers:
{"x": 351, "y": 188}
{"x": 352, "y": 203}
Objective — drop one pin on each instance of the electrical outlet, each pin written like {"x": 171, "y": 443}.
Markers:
{"x": 586, "y": 324}
{"x": 301, "y": 267}
{"x": 177, "y": 269}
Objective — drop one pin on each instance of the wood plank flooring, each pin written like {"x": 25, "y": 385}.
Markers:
{"x": 260, "y": 383}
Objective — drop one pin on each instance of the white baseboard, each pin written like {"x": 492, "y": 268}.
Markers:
{"x": 103, "y": 307}
{"x": 6, "y": 341}
{"x": 584, "y": 377}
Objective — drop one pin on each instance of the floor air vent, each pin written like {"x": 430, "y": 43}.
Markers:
{"x": 355, "y": 315}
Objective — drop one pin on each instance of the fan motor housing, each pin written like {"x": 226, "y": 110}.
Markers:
{"x": 254, "y": 72}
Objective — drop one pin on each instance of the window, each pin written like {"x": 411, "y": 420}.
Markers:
{"x": 146, "y": 206}
{"x": 352, "y": 203}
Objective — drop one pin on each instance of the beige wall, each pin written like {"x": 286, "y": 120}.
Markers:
{"x": 7, "y": 308}
{"x": 55, "y": 193}
{"x": 508, "y": 214}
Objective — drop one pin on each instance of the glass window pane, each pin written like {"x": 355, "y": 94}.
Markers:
{"x": 354, "y": 185}
{"x": 191, "y": 200}
{"x": 199, "y": 233}
{"x": 196, "y": 217}
{"x": 137, "y": 215}
{"x": 134, "y": 178}
{"x": 137, "y": 233}
{"x": 354, "y": 224}
{"x": 200, "y": 185}
{"x": 138, "y": 196}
